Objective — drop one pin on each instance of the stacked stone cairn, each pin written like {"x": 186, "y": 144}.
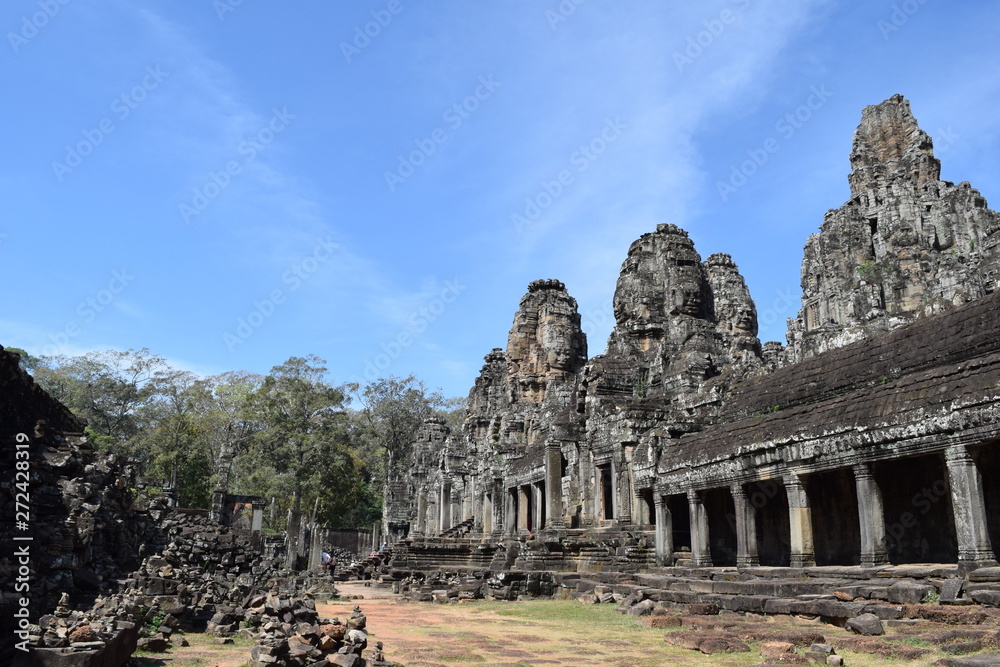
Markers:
{"x": 290, "y": 633}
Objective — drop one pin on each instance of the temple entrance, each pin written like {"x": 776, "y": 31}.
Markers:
{"x": 606, "y": 492}
{"x": 833, "y": 499}
{"x": 770, "y": 506}
{"x": 916, "y": 498}
{"x": 988, "y": 461}
{"x": 721, "y": 511}
{"x": 680, "y": 518}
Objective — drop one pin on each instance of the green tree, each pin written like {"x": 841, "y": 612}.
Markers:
{"x": 392, "y": 410}
{"x": 230, "y": 423}
{"x": 170, "y": 438}
{"x": 305, "y": 425}
{"x": 108, "y": 389}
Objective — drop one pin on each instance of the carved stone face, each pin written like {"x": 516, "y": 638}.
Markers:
{"x": 684, "y": 279}
{"x": 745, "y": 320}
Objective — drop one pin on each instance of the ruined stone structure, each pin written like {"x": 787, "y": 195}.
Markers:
{"x": 873, "y": 438}
{"x": 79, "y": 507}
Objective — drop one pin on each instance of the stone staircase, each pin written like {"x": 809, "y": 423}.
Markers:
{"x": 459, "y": 529}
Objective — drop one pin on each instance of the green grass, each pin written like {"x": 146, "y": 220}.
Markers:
{"x": 570, "y": 612}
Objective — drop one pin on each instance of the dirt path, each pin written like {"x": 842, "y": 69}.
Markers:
{"x": 509, "y": 634}
{"x": 512, "y": 634}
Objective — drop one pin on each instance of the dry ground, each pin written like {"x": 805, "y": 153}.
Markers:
{"x": 524, "y": 634}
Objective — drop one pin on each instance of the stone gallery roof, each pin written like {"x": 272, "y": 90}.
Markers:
{"x": 935, "y": 376}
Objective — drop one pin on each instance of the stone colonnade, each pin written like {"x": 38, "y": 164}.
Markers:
{"x": 946, "y": 518}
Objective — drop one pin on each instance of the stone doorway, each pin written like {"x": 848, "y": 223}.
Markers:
{"x": 606, "y": 492}
{"x": 770, "y": 506}
{"x": 988, "y": 461}
{"x": 916, "y": 499}
{"x": 680, "y": 519}
{"x": 721, "y": 511}
{"x": 833, "y": 499}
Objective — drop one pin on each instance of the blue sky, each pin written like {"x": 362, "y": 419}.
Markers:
{"x": 232, "y": 183}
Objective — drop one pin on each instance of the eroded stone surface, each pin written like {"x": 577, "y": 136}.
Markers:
{"x": 907, "y": 244}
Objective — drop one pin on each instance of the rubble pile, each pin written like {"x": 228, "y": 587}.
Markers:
{"x": 89, "y": 637}
{"x": 455, "y": 587}
{"x": 290, "y": 633}
{"x": 374, "y": 566}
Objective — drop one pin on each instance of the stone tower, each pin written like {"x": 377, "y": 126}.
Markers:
{"x": 905, "y": 245}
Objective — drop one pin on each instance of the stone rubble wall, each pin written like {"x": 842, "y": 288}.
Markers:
{"x": 87, "y": 517}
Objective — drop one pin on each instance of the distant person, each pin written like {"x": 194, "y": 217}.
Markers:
{"x": 327, "y": 559}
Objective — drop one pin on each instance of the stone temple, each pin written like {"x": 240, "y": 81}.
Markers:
{"x": 871, "y": 438}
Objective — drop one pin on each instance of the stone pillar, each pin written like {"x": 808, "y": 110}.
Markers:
{"x": 746, "y": 529}
{"x": 216, "y": 514}
{"x": 510, "y": 521}
{"x": 454, "y": 506}
{"x": 664, "y": 532}
{"x": 871, "y": 516}
{"x": 588, "y": 475}
{"x": 498, "y": 504}
{"x": 701, "y": 554}
{"x": 622, "y": 476}
{"x": 553, "y": 486}
{"x": 969, "y": 506}
{"x": 537, "y": 492}
{"x": 256, "y": 526}
{"x": 485, "y": 524}
{"x": 803, "y": 554}
{"x": 444, "y": 506}
{"x": 598, "y": 493}
{"x": 474, "y": 511}
{"x": 421, "y": 511}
